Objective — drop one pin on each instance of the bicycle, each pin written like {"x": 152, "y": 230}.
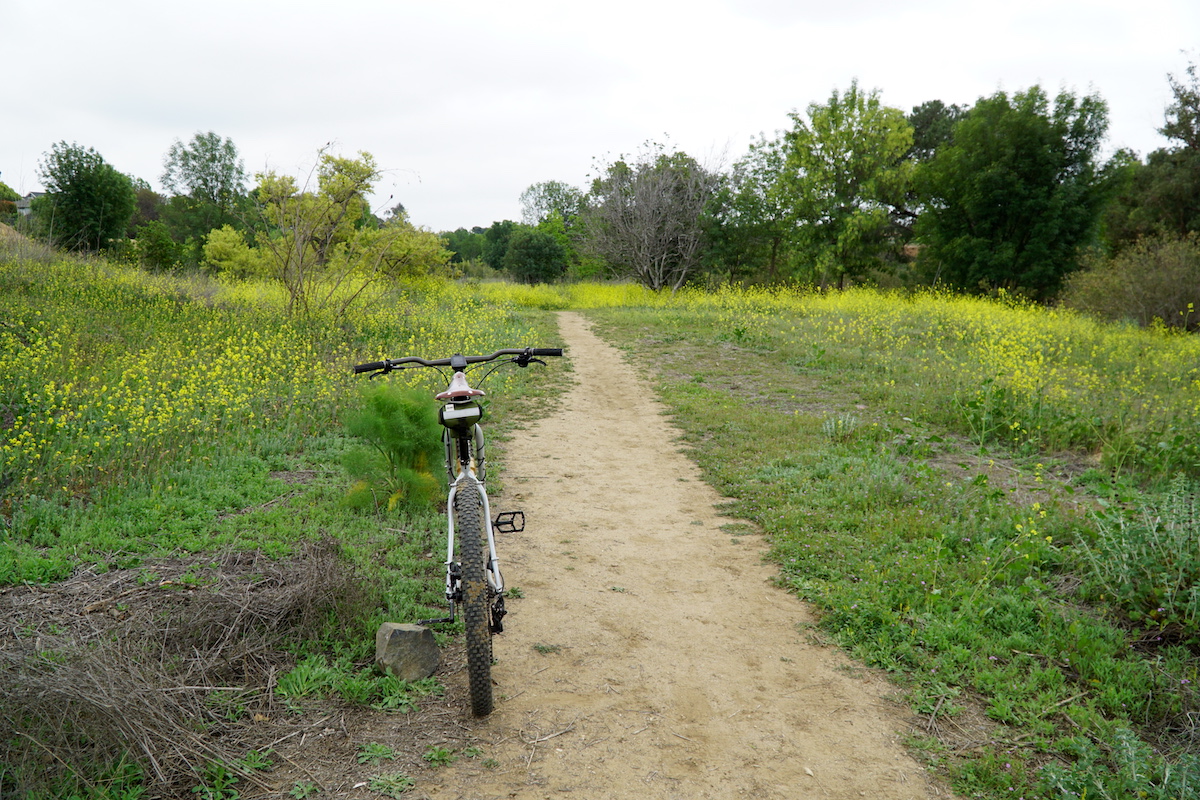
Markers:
{"x": 474, "y": 580}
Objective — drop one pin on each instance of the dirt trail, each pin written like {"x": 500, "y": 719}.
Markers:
{"x": 651, "y": 657}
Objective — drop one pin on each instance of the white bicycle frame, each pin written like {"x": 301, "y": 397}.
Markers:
{"x": 468, "y": 472}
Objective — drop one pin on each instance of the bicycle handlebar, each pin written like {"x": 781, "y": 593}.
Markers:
{"x": 457, "y": 361}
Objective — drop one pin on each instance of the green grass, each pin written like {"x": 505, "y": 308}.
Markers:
{"x": 957, "y": 563}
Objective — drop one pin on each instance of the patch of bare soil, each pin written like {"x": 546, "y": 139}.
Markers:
{"x": 652, "y": 656}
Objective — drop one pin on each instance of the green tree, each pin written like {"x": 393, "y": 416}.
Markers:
{"x": 326, "y": 248}
{"x": 1162, "y": 195}
{"x": 8, "y": 202}
{"x": 465, "y": 245}
{"x": 207, "y": 169}
{"x": 535, "y": 256}
{"x": 845, "y": 171}
{"x": 496, "y": 243}
{"x": 933, "y": 126}
{"x": 750, "y": 223}
{"x": 646, "y": 216}
{"x": 543, "y": 200}
{"x": 208, "y": 181}
{"x": 87, "y": 204}
{"x": 1017, "y": 194}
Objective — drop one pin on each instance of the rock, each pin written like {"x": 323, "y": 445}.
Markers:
{"x": 407, "y": 651}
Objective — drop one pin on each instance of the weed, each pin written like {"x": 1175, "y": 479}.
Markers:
{"x": 302, "y": 790}
{"x": 439, "y": 756}
{"x": 547, "y": 649}
{"x": 373, "y": 753}
{"x": 841, "y": 427}
{"x": 216, "y": 783}
{"x": 472, "y": 752}
{"x": 515, "y": 592}
{"x": 1145, "y": 566}
{"x": 394, "y": 786}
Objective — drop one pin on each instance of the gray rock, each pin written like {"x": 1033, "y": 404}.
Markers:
{"x": 407, "y": 651}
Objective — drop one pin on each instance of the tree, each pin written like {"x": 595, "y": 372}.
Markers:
{"x": 750, "y": 221}
{"x": 845, "y": 171}
{"x": 543, "y": 200}
{"x": 534, "y": 256}
{"x": 87, "y": 204}
{"x": 327, "y": 248}
{"x": 465, "y": 245}
{"x": 1017, "y": 194}
{"x": 208, "y": 180}
{"x": 8, "y": 201}
{"x": 1183, "y": 114}
{"x": 1162, "y": 195}
{"x": 207, "y": 169}
{"x": 645, "y": 217}
{"x": 933, "y": 126}
{"x": 496, "y": 243}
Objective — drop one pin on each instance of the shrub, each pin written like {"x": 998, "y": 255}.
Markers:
{"x": 396, "y": 467}
{"x": 1156, "y": 279}
{"x": 155, "y": 248}
{"x": 226, "y": 253}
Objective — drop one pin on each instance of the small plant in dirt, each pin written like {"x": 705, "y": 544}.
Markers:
{"x": 439, "y": 756}
{"x": 515, "y": 592}
{"x": 217, "y": 783}
{"x": 302, "y": 790}
{"x": 398, "y": 465}
{"x": 373, "y": 753}
{"x": 547, "y": 649}
{"x": 395, "y": 785}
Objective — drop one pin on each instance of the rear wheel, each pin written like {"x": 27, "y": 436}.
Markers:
{"x": 471, "y": 532}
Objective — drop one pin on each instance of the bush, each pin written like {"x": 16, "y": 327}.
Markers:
{"x": 1156, "y": 279}
{"x": 226, "y": 253}
{"x": 397, "y": 466}
{"x": 155, "y": 248}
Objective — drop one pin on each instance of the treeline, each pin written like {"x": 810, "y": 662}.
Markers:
{"x": 1011, "y": 194}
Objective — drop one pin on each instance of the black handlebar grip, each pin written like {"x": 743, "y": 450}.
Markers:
{"x": 547, "y": 351}
{"x": 374, "y": 365}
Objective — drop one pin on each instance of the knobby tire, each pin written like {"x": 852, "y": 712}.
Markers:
{"x": 471, "y": 532}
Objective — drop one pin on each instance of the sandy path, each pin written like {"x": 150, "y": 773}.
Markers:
{"x": 676, "y": 670}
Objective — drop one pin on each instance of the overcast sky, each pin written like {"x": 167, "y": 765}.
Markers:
{"x": 467, "y": 103}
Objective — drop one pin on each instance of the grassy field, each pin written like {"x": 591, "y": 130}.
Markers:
{"x": 991, "y": 501}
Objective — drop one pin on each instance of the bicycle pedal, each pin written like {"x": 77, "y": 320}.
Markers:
{"x": 509, "y": 522}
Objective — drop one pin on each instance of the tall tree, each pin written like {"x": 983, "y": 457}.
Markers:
{"x": 1162, "y": 195}
{"x": 845, "y": 171}
{"x": 87, "y": 204}
{"x": 542, "y": 200}
{"x": 1017, "y": 193}
{"x": 646, "y": 217}
{"x": 207, "y": 169}
{"x": 208, "y": 179}
{"x": 751, "y": 225}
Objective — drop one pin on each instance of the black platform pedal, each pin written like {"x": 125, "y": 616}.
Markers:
{"x": 509, "y": 522}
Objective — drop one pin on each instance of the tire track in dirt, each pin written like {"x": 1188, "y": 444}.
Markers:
{"x": 651, "y": 656}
